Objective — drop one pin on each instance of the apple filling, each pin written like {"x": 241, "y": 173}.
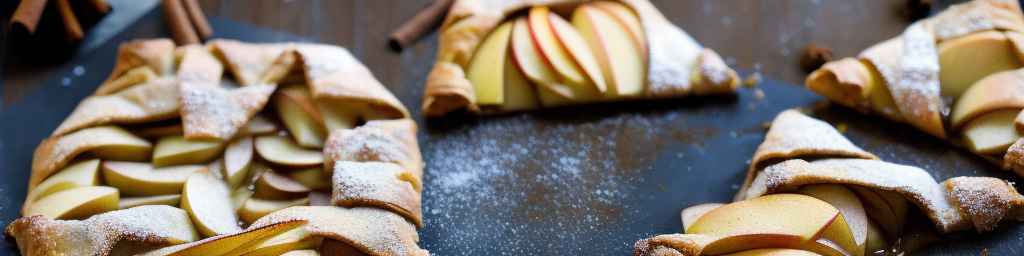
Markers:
{"x": 233, "y": 190}
{"x": 541, "y": 58}
{"x": 970, "y": 76}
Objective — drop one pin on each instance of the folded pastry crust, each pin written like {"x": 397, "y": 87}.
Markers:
{"x": 677, "y": 65}
{"x": 375, "y": 206}
{"x": 909, "y": 67}
{"x": 957, "y": 204}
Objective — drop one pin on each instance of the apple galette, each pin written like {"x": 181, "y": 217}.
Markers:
{"x": 515, "y": 55}
{"x": 810, "y": 191}
{"x": 171, "y": 156}
{"x": 956, "y": 75}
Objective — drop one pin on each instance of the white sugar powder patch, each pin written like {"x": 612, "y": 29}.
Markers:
{"x": 538, "y": 178}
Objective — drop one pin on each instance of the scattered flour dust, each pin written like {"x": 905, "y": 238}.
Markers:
{"x": 508, "y": 181}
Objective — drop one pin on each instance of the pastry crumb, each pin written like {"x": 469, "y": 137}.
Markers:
{"x": 841, "y": 127}
{"x": 758, "y": 94}
{"x": 752, "y": 80}
{"x": 814, "y": 57}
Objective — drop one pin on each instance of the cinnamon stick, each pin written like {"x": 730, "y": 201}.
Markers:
{"x": 27, "y": 15}
{"x": 72, "y": 28}
{"x": 99, "y": 6}
{"x": 425, "y": 21}
{"x": 177, "y": 19}
{"x": 195, "y": 14}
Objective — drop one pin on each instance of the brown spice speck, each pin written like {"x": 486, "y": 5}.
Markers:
{"x": 814, "y": 57}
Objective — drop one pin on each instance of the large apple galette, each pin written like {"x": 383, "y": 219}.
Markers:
{"x": 957, "y": 75}
{"x": 176, "y": 154}
{"x": 515, "y": 55}
{"x": 810, "y": 191}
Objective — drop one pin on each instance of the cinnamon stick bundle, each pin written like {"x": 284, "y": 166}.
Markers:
{"x": 187, "y": 23}
{"x": 72, "y": 28}
{"x": 27, "y": 15}
{"x": 425, "y": 21}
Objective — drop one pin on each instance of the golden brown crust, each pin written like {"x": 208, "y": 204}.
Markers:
{"x": 371, "y": 230}
{"x": 1014, "y": 158}
{"x": 209, "y": 109}
{"x": 157, "y": 54}
{"x": 795, "y": 135}
{"x": 101, "y": 234}
{"x": 248, "y": 62}
{"x": 377, "y": 184}
{"x": 391, "y": 141}
{"x": 333, "y": 73}
{"x": 151, "y": 101}
{"x": 55, "y": 152}
{"x": 677, "y": 65}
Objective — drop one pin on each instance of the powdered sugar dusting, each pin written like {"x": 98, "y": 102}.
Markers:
{"x": 538, "y": 179}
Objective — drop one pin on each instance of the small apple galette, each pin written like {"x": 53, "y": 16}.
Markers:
{"x": 810, "y": 191}
{"x": 957, "y": 75}
{"x": 171, "y": 156}
{"x": 516, "y": 55}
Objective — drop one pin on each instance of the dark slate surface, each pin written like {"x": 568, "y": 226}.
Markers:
{"x": 582, "y": 181}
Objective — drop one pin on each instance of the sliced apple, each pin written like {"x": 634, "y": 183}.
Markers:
{"x": 255, "y": 208}
{"x": 967, "y": 59}
{"x": 258, "y": 125}
{"x": 621, "y": 62}
{"x": 838, "y": 239}
{"x": 281, "y": 150}
{"x": 80, "y": 174}
{"x": 176, "y": 150}
{"x": 274, "y": 186}
{"x": 335, "y": 247}
{"x": 237, "y": 159}
{"x": 573, "y": 42}
{"x": 296, "y": 239}
{"x": 520, "y": 94}
{"x": 851, "y": 209}
{"x": 305, "y": 253}
{"x": 625, "y": 16}
{"x": 296, "y": 109}
{"x": 119, "y": 144}
{"x": 692, "y": 213}
{"x": 313, "y": 178}
{"x": 757, "y": 223}
{"x": 535, "y": 68}
{"x": 1002, "y": 90}
{"x": 207, "y": 201}
{"x": 160, "y": 130}
{"x": 547, "y": 42}
{"x": 774, "y": 252}
{"x": 129, "y": 202}
{"x": 239, "y": 196}
{"x": 529, "y": 61}
{"x": 224, "y": 244}
{"x": 339, "y": 115}
{"x": 885, "y": 208}
{"x": 76, "y": 203}
{"x": 141, "y": 179}
{"x": 132, "y": 77}
{"x": 486, "y": 70}
{"x": 992, "y": 133}
{"x": 876, "y": 243}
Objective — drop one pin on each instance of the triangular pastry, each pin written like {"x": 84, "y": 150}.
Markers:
{"x": 517, "y": 55}
{"x": 829, "y": 197}
{"x": 228, "y": 148}
{"x": 958, "y": 75}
